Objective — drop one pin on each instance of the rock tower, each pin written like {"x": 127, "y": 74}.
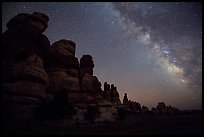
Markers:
{"x": 41, "y": 78}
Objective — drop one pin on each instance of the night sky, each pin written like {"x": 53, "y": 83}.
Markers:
{"x": 151, "y": 51}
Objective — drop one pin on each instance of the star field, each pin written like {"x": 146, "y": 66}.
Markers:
{"x": 150, "y": 50}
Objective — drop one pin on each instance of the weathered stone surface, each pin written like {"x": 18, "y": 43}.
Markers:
{"x": 161, "y": 108}
{"x": 26, "y": 70}
{"x": 44, "y": 47}
{"x": 74, "y": 97}
{"x": 115, "y": 95}
{"x": 87, "y": 80}
{"x": 18, "y": 45}
{"x": 110, "y": 93}
{"x": 21, "y": 99}
{"x": 64, "y": 47}
{"x": 24, "y": 88}
{"x": 86, "y": 65}
{"x": 31, "y": 24}
{"x": 86, "y": 61}
{"x": 73, "y": 72}
{"x": 41, "y": 17}
{"x": 81, "y": 97}
{"x": 89, "y": 100}
{"x": 106, "y": 86}
{"x": 81, "y": 112}
{"x": 34, "y": 60}
{"x": 38, "y": 77}
{"x": 14, "y": 111}
{"x": 145, "y": 109}
{"x": 107, "y": 95}
{"x": 62, "y": 68}
{"x": 107, "y": 113}
{"x": 21, "y": 18}
{"x": 161, "y": 105}
{"x": 23, "y": 75}
{"x": 125, "y": 99}
{"x": 90, "y": 82}
{"x": 61, "y": 61}
{"x": 22, "y": 58}
{"x": 61, "y": 55}
{"x": 84, "y": 71}
{"x": 62, "y": 80}
{"x": 36, "y": 23}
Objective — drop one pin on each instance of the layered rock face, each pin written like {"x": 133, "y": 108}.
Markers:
{"x": 90, "y": 95}
{"x": 88, "y": 82}
{"x": 131, "y": 106}
{"x": 62, "y": 67}
{"x": 107, "y": 92}
{"x": 43, "y": 80}
{"x": 111, "y": 94}
{"x": 115, "y": 95}
{"x": 24, "y": 79}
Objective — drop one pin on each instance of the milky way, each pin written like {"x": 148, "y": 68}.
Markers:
{"x": 152, "y": 51}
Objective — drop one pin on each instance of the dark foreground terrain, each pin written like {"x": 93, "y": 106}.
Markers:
{"x": 186, "y": 124}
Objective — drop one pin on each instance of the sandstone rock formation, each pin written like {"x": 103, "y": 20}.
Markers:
{"x": 111, "y": 94}
{"x": 43, "y": 81}
{"x": 125, "y": 99}
{"x": 145, "y": 110}
{"x": 106, "y": 92}
{"x": 24, "y": 79}
{"x": 87, "y": 80}
{"x": 62, "y": 67}
{"x": 115, "y": 95}
{"x": 131, "y": 106}
{"x": 161, "y": 108}
{"x": 92, "y": 92}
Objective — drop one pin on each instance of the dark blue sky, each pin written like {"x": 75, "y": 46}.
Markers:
{"x": 152, "y": 51}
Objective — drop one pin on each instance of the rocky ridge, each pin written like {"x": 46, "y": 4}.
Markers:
{"x": 43, "y": 81}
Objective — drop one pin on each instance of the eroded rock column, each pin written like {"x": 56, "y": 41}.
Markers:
{"x": 24, "y": 79}
{"x": 62, "y": 67}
